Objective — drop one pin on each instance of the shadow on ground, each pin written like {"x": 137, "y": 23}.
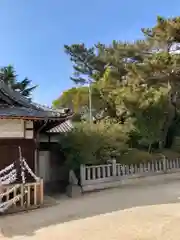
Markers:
{"x": 89, "y": 205}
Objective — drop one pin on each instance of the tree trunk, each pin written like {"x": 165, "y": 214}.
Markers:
{"x": 170, "y": 115}
{"x": 149, "y": 148}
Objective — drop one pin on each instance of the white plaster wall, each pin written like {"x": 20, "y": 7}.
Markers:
{"x": 11, "y": 128}
{"x": 29, "y": 124}
{"x": 29, "y": 132}
{"x": 16, "y": 128}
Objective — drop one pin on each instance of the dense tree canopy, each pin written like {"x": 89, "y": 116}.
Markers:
{"x": 77, "y": 99}
{"x": 9, "y": 76}
{"x": 94, "y": 143}
{"x": 136, "y": 81}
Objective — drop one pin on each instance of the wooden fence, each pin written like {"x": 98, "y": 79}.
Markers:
{"x": 110, "y": 175}
{"x": 31, "y": 195}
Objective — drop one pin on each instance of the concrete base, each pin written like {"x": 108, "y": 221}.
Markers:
{"x": 73, "y": 191}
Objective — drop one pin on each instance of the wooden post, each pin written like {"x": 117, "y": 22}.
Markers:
{"x": 23, "y": 190}
{"x": 41, "y": 192}
{"x": 35, "y": 194}
{"x": 36, "y": 161}
{"x": 22, "y": 198}
{"x": 28, "y": 194}
{"x": 18, "y": 167}
{"x": 1, "y": 190}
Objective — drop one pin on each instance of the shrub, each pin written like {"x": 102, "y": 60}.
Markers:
{"x": 170, "y": 154}
{"x": 176, "y": 144}
{"x": 135, "y": 156}
{"x": 94, "y": 143}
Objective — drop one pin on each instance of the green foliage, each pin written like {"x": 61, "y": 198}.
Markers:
{"x": 147, "y": 109}
{"x": 9, "y": 76}
{"x": 86, "y": 63}
{"x": 135, "y": 156}
{"x": 176, "y": 144}
{"x": 138, "y": 82}
{"x": 77, "y": 99}
{"x": 168, "y": 153}
{"x": 94, "y": 144}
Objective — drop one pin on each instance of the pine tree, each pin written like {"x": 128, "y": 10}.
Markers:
{"x": 9, "y": 76}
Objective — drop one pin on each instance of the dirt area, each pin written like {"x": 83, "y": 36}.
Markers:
{"x": 129, "y": 213}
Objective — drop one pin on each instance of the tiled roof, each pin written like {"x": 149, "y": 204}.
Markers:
{"x": 66, "y": 126}
{"x": 19, "y": 106}
{"x": 27, "y": 112}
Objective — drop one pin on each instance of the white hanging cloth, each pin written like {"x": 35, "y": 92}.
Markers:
{"x": 9, "y": 175}
{"x": 8, "y": 168}
{"x": 5, "y": 205}
{"x": 30, "y": 170}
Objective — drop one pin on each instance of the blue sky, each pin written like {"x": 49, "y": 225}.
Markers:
{"x": 33, "y": 33}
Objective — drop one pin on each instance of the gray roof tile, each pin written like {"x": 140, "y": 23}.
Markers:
{"x": 19, "y": 106}
{"x": 64, "y": 127}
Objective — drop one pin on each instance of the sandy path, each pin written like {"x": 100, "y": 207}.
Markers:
{"x": 102, "y": 216}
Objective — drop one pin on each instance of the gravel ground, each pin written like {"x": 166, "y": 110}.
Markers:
{"x": 132, "y": 213}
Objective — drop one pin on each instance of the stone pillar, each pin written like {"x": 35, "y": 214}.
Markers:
{"x": 73, "y": 189}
